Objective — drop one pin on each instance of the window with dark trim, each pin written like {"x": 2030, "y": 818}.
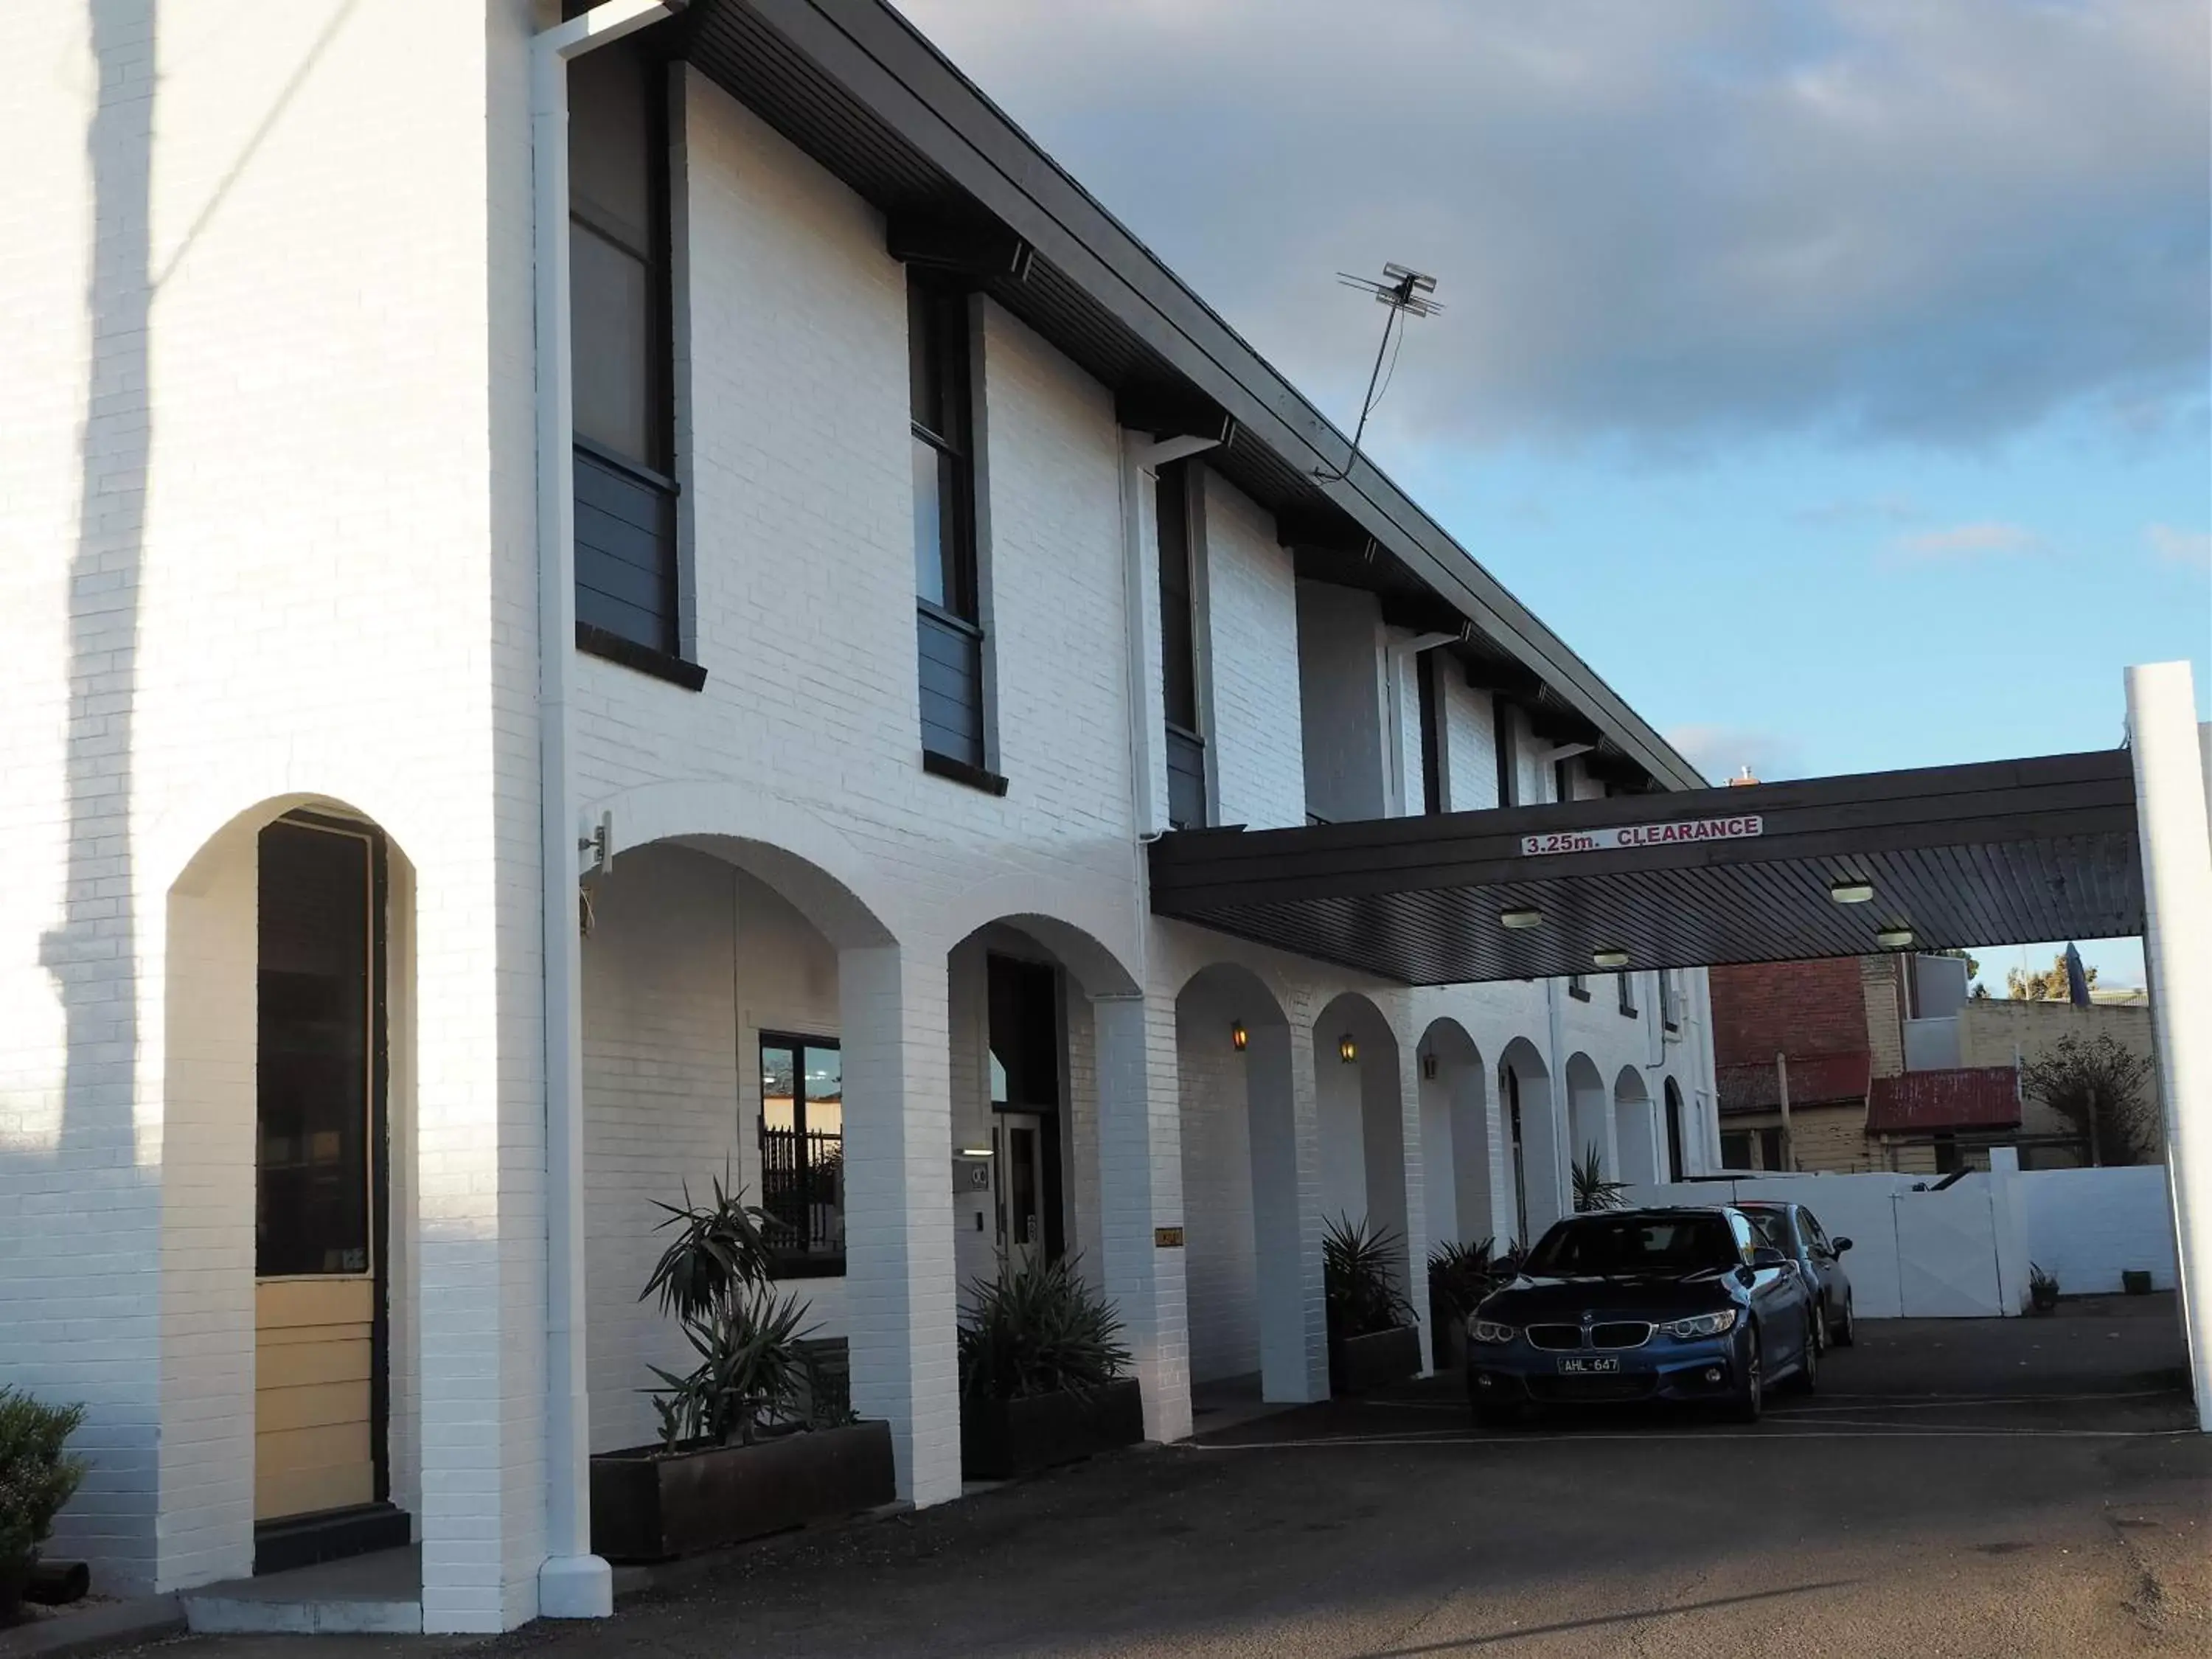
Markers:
{"x": 802, "y": 1146}
{"x": 620, "y": 352}
{"x": 1578, "y": 987}
{"x": 1735, "y": 1149}
{"x": 1427, "y": 667}
{"x": 1186, "y": 742}
{"x": 1626, "y": 984}
{"x": 1670, "y": 1001}
{"x": 947, "y": 603}
{"x": 1509, "y": 764}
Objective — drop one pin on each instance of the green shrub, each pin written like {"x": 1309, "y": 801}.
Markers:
{"x": 37, "y": 1476}
{"x": 1038, "y": 1329}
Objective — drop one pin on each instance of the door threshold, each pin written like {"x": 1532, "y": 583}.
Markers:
{"x": 302, "y": 1540}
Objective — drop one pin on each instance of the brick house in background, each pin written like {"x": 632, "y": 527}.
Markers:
{"x": 1873, "y": 1050}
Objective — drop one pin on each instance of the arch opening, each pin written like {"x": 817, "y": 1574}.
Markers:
{"x": 1530, "y": 1132}
{"x": 1635, "y": 1142}
{"x": 1458, "y": 1137}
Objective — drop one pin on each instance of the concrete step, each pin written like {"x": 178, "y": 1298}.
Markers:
{"x": 380, "y": 1593}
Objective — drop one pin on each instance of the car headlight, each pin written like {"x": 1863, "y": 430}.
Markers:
{"x": 1484, "y": 1330}
{"x": 1706, "y": 1324}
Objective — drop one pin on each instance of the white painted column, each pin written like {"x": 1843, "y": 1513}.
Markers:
{"x": 899, "y": 1278}
{"x": 1286, "y": 1214}
{"x": 1411, "y": 1176}
{"x": 2172, "y": 811}
{"x": 572, "y": 1581}
{"x": 1140, "y": 1192}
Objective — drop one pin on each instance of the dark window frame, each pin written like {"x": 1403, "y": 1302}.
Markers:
{"x": 1578, "y": 987}
{"x": 1670, "y": 1001}
{"x": 645, "y": 484}
{"x": 1182, "y": 696}
{"x": 1625, "y": 983}
{"x": 807, "y": 1259}
{"x": 1430, "y": 700}
{"x": 941, "y": 370}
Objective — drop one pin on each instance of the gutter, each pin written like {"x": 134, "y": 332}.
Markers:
{"x": 572, "y": 1581}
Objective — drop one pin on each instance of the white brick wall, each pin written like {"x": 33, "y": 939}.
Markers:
{"x": 270, "y": 590}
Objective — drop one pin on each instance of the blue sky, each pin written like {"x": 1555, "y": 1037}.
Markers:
{"x": 1832, "y": 375}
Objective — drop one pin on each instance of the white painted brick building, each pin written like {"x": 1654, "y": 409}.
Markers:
{"x": 271, "y": 546}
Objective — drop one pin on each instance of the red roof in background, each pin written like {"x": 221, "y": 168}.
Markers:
{"x": 1814, "y": 1080}
{"x": 1961, "y": 1097}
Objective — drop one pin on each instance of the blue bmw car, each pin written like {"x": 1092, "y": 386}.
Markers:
{"x": 1674, "y": 1304}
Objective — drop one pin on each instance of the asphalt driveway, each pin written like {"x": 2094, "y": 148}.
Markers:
{"x": 2015, "y": 1488}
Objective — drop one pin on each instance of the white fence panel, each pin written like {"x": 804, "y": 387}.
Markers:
{"x": 1946, "y": 1256}
{"x": 2085, "y": 1227}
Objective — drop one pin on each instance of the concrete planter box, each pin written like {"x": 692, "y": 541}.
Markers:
{"x": 1357, "y": 1364}
{"x": 648, "y": 1504}
{"x": 1002, "y": 1439}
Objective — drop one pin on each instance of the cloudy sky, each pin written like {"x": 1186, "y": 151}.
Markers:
{"x": 1832, "y": 375}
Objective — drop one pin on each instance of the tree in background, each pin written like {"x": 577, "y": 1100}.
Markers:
{"x": 2104, "y": 1091}
{"x": 2030, "y": 987}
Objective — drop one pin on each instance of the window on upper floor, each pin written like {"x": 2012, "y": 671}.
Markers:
{"x": 1428, "y": 667}
{"x": 1626, "y": 985}
{"x": 1578, "y": 987}
{"x": 1507, "y": 748}
{"x": 1179, "y": 637}
{"x": 623, "y": 373}
{"x": 1670, "y": 999}
{"x": 946, "y": 581}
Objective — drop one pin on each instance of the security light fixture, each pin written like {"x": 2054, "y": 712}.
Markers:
{"x": 1850, "y": 891}
{"x": 1609, "y": 959}
{"x": 1238, "y": 1037}
{"x": 974, "y": 1152}
{"x": 1894, "y": 938}
{"x": 1346, "y": 1049}
{"x": 1519, "y": 920}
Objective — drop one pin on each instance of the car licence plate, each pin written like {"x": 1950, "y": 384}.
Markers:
{"x": 1587, "y": 1367}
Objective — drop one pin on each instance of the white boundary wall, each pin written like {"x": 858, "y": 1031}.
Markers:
{"x": 1964, "y": 1253}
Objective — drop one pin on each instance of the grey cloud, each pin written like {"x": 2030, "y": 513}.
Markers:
{"x": 1673, "y": 223}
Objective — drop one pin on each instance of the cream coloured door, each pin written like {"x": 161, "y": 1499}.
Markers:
{"x": 317, "y": 1392}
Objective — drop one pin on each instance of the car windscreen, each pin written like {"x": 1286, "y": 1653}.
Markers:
{"x": 1594, "y": 1245}
{"x": 1773, "y": 1229}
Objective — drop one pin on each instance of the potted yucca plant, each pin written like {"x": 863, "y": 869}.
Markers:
{"x": 1460, "y": 1276}
{"x": 759, "y": 1436}
{"x": 1043, "y": 1373}
{"x": 1373, "y": 1339}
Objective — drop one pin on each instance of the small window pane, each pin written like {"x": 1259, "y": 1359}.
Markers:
{"x": 924, "y": 359}
{"x": 933, "y": 487}
{"x": 778, "y": 1067}
{"x": 612, "y": 122}
{"x": 611, "y": 334}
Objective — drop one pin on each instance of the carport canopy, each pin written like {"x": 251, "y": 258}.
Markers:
{"x": 1998, "y": 853}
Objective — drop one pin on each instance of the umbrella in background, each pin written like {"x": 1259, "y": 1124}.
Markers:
{"x": 2077, "y": 980}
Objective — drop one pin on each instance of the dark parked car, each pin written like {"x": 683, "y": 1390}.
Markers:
{"x": 1793, "y": 1230}
{"x": 1676, "y": 1304}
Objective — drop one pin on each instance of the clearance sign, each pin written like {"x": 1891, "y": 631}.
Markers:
{"x": 1632, "y": 835}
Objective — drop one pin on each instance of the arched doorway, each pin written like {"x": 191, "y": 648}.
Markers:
{"x": 1359, "y": 1115}
{"x": 1530, "y": 1131}
{"x": 1252, "y": 1276}
{"x": 1456, "y": 1136}
{"x": 1673, "y": 1098}
{"x": 1634, "y": 1143}
{"x": 1589, "y": 1118}
{"x": 288, "y": 1093}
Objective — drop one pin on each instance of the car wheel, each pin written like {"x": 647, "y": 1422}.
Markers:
{"x": 1821, "y": 1325}
{"x": 1750, "y": 1402}
{"x": 1843, "y": 1332}
{"x": 1808, "y": 1378}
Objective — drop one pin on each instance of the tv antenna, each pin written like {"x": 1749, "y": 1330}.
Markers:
{"x": 1407, "y": 293}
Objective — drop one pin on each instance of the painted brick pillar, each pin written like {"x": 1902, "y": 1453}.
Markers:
{"x": 1286, "y": 1212}
{"x": 1140, "y": 1190}
{"x": 899, "y": 1276}
{"x": 1410, "y": 1176}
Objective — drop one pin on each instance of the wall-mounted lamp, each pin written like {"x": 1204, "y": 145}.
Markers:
{"x": 1519, "y": 920}
{"x": 1429, "y": 1067}
{"x": 974, "y": 1152}
{"x": 1894, "y": 938}
{"x": 1609, "y": 959}
{"x": 1850, "y": 892}
{"x": 1346, "y": 1049}
{"x": 1238, "y": 1037}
